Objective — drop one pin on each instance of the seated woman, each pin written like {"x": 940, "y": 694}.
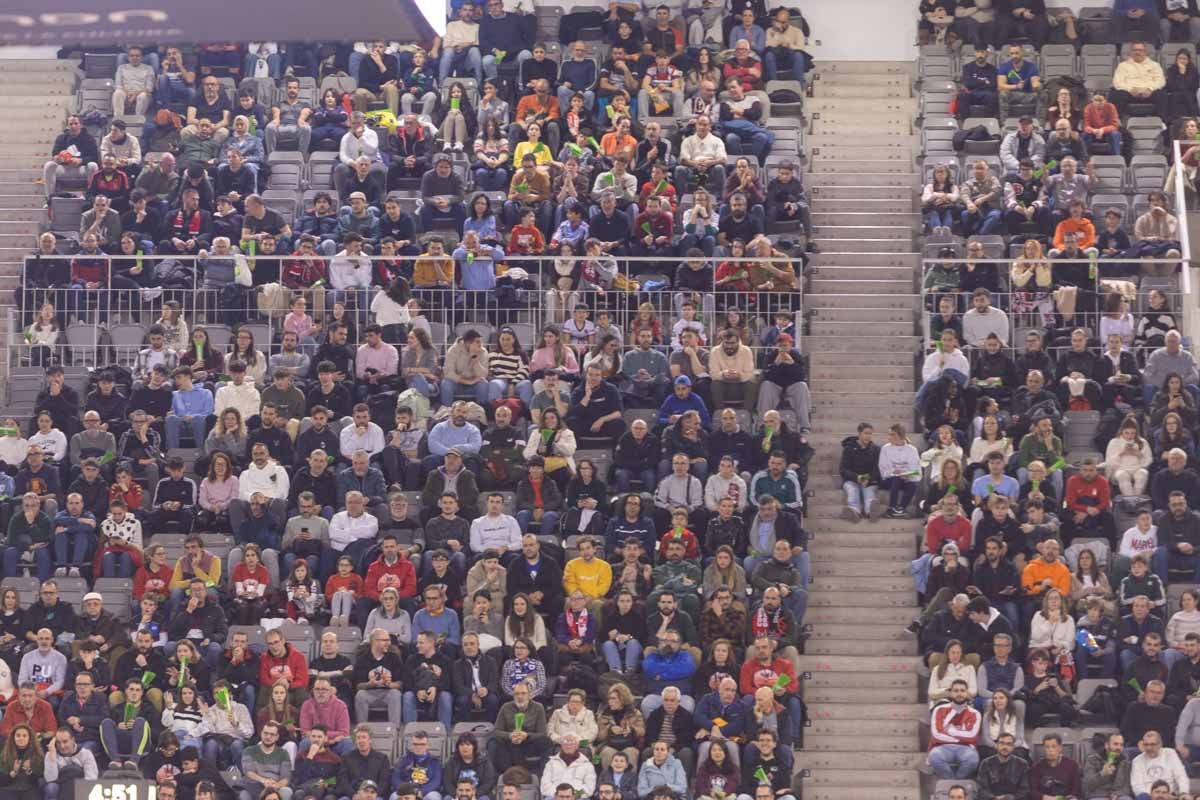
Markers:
{"x": 523, "y": 666}
{"x": 1127, "y": 460}
{"x": 1090, "y": 581}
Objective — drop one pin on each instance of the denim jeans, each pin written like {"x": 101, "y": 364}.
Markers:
{"x": 900, "y": 491}
{"x": 117, "y": 565}
{"x": 445, "y": 707}
{"x": 454, "y": 56}
{"x": 491, "y": 180}
{"x": 1108, "y": 661}
{"x": 482, "y": 390}
{"x": 524, "y": 391}
{"x": 859, "y": 497}
{"x": 72, "y": 548}
{"x": 549, "y": 521}
{"x": 632, "y": 651}
{"x": 985, "y": 221}
{"x": 953, "y": 761}
{"x": 12, "y": 559}
{"x": 175, "y": 426}
{"x": 773, "y": 62}
{"x": 491, "y": 68}
{"x": 1161, "y": 561}
{"x": 626, "y": 477}
{"x": 940, "y": 217}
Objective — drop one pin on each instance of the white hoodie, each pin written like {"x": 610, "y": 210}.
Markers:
{"x": 900, "y": 461}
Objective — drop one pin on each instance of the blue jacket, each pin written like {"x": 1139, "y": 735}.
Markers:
{"x": 446, "y": 435}
{"x": 674, "y": 671}
{"x": 673, "y": 405}
{"x": 90, "y": 714}
{"x": 195, "y": 402}
{"x": 366, "y": 227}
{"x": 263, "y": 531}
{"x": 320, "y": 227}
{"x": 651, "y": 776}
{"x": 710, "y": 707}
{"x": 74, "y": 525}
{"x": 372, "y": 485}
{"x": 478, "y": 273}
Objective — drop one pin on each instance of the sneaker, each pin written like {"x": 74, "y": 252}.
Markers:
{"x": 73, "y": 572}
{"x": 914, "y": 627}
{"x": 850, "y": 515}
{"x": 131, "y": 765}
{"x": 458, "y": 147}
{"x": 114, "y": 765}
{"x": 27, "y": 557}
{"x": 61, "y": 572}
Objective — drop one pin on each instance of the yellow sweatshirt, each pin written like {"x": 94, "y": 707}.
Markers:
{"x": 594, "y": 579}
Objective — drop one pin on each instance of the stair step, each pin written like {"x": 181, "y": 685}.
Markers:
{"x": 905, "y": 219}
{"x": 865, "y": 136}
{"x": 818, "y": 778}
{"x": 828, "y": 77}
{"x": 859, "y": 178}
{"x": 868, "y": 191}
{"x": 882, "y": 633}
{"x": 822, "y": 165}
{"x": 841, "y": 245}
{"x": 898, "y": 233}
{"x": 859, "y": 647}
{"x": 911, "y": 710}
{"x": 841, "y": 70}
{"x": 870, "y": 599}
{"x": 857, "y": 272}
{"x": 813, "y": 760}
{"x": 828, "y": 583}
{"x": 895, "y": 744}
{"x": 834, "y": 553}
{"x": 880, "y": 371}
{"x": 904, "y": 106}
{"x": 824, "y": 203}
{"x": 910, "y": 260}
{"x": 847, "y": 124}
{"x": 860, "y": 314}
{"x": 849, "y": 615}
{"x": 819, "y": 328}
{"x": 23, "y": 200}
{"x": 857, "y": 792}
{"x": 908, "y": 680}
{"x": 828, "y": 283}
{"x": 869, "y": 383}
{"x": 859, "y": 344}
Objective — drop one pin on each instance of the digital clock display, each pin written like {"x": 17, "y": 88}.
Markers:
{"x": 116, "y": 790}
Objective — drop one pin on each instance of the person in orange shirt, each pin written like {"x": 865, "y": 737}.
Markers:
{"x": 1047, "y": 571}
{"x": 618, "y": 140}
{"x": 1077, "y": 222}
{"x": 541, "y": 107}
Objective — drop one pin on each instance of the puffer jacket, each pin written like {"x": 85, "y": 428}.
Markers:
{"x": 858, "y": 460}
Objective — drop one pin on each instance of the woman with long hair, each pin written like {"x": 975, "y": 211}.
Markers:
{"x": 555, "y": 443}
{"x": 722, "y": 662}
{"x": 718, "y": 776}
{"x": 1182, "y": 82}
{"x": 279, "y": 709}
{"x": 491, "y": 156}
{"x": 228, "y": 436}
{"x": 21, "y": 765}
{"x": 700, "y": 224}
{"x": 42, "y": 336}
{"x": 206, "y": 363}
{"x": 951, "y": 668}
{"x": 175, "y": 327}
{"x": 1171, "y": 435}
{"x": 1089, "y": 580}
{"x": 306, "y": 601}
{"x": 900, "y": 466}
{"x": 1066, "y": 108}
{"x": 945, "y": 447}
{"x": 1032, "y": 282}
{"x": 621, "y": 725}
{"x": 1053, "y": 628}
{"x": 724, "y": 570}
{"x": 389, "y": 616}
{"x": 13, "y": 628}
{"x": 949, "y": 480}
{"x": 939, "y": 201}
{"x": 455, "y": 121}
{"x": 606, "y": 354}
{"x": 1173, "y": 397}
{"x": 218, "y": 490}
{"x": 243, "y": 350}
{"x": 1002, "y": 716}
{"x": 481, "y": 219}
{"x": 1127, "y": 460}
{"x": 188, "y": 666}
{"x": 703, "y": 69}
{"x": 390, "y": 308}
{"x": 523, "y": 622}
{"x": 554, "y": 355}
{"x": 508, "y": 368}
{"x": 183, "y": 715}
{"x": 419, "y": 363}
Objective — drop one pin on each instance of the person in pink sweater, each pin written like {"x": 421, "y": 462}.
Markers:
{"x": 1101, "y": 126}
{"x": 325, "y": 708}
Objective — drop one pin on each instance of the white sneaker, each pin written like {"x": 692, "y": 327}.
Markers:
{"x": 73, "y": 572}
{"x": 61, "y": 572}
{"x": 458, "y": 147}
{"x": 446, "y": 147}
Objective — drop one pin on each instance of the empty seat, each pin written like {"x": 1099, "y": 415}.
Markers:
{"x": 1147, "y": 173}
{"x": 1058, "y": 60}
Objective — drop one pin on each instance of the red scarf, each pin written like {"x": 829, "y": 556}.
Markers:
{"x": 193, "y": 225}
{"x": 764, "y": 624}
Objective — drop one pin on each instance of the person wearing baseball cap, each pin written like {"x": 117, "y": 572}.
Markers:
{"x": 360, "y": 218}
{"x": 680, "y": 401}
{"x": 786, "y": 377}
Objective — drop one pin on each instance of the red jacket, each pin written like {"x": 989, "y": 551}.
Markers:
{"x": 142, "y": 577}
{"x": 755, "y": 675}
{"x": 953, "y": 725}
{"x": 1095, "y": 493}
{"x": 401, "y": 576}
{"x": 938, "y": 531}
{"x": 42, "y": 720}
{"x": 271, "y": 668}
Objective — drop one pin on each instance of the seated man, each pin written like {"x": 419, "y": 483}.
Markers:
{"x": 978, "y": 84}
{"x": 1018, "y": 82}
{"x": 442, "y": 191}
{"x": 701, "y": 156}
{"x": 596, "y": 407}
{"x": 740, "y": 122}
{"x": 529, "y": 190}
{"x": 130, "y": 728}
{"x": 1156, "y": 235}
{"x": 518, "y": 745}
{"x": 982, "y": 198}
{"x": 954, "y": 733}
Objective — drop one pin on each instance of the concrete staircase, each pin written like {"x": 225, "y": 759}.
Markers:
{"x": 861, "y": 305}
{"x": 37, "y": 93}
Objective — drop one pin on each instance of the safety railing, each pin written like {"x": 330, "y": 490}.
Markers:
{"x": 103, "y": 314}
